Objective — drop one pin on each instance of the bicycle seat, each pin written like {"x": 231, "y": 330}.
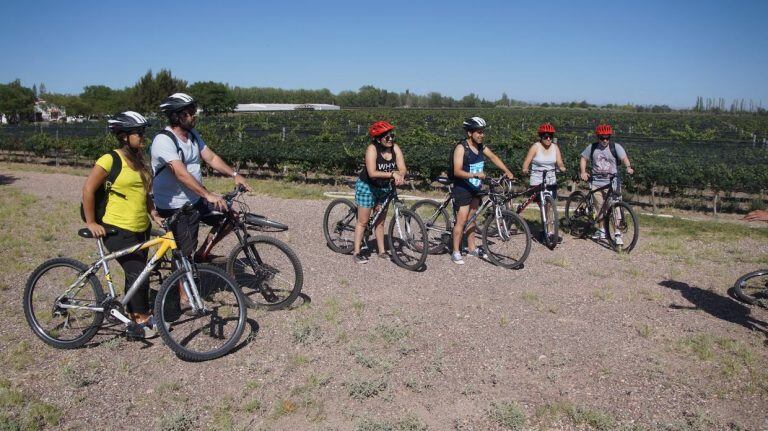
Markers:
{"x": 444, "y": 181}
{"x": 85, "y": 233}
{"x": 156, "y": 232}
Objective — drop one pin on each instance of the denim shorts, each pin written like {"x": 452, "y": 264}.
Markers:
{"x": 367, "y": 196}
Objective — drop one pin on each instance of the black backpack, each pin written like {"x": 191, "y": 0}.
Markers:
{"x": 102, "y": 193}
{"x": 612, "y": 146}
{"x": 464, "y": 144}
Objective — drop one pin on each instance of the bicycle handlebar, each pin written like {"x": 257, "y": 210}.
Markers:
{"x": 610, "y": 177}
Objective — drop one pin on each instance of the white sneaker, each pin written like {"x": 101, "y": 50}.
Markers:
{"x": 599, "y": 234}
{"x": 456, "y": 258}
{"x": 618, "y": 240}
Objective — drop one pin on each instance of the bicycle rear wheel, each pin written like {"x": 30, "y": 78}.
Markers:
{"x": 63, "y": 328}
{"x": 339, "y": 223}
{"x": 752, "y": 288}
{"x": 209, "y": 333}
{"x": 577, "y": 215}
{"x": 507, "y": 240}
{"x": 268, "y": 272}
{"x": 407, "y": 240}
{"x": 549, "y": 208}
{"x": 622, "y": 220}
{"x": 436, "y": 222}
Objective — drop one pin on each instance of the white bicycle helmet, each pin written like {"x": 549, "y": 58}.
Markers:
{"x": 176, "y": 102}
{"x": 474, "y": 123}
{"x": 127, "y": 121}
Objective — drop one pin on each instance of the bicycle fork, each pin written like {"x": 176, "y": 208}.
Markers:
{"x": 190, "y": 287}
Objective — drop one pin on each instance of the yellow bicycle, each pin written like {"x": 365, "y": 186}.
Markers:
{"x": 200, "y": 312}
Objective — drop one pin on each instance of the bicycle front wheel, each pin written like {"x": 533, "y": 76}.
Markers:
{"x": 207, "y": 333}
{"x": 577, "y": 214}
{"x": 268, "y": 272}
{"x": 549, "y": 209}
{"x": 507, "y": 240}
{"x": 339, "y": 223}
{"x": 623, "y": 227}
{"x": 436, "y": 222}
{"x": 49, "y": 296}
{"x": 752, "y": 288}
{"x": 408, "y": 240}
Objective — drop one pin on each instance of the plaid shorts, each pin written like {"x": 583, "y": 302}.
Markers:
{"x": 367, "y": 196}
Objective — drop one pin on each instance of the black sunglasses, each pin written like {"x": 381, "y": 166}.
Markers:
{"x": 138, "y": 132}
{"x": 388, "y": 137}
{"x": 604, "y": 137}
{"x": 546, "y": 136}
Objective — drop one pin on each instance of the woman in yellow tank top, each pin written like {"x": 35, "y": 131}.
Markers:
{"x": 127, "y": 208}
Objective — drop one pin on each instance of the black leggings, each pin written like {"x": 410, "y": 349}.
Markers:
{"x": 132, "y": 265}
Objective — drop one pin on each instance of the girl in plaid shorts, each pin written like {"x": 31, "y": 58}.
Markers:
{"x": 384, "y": 162}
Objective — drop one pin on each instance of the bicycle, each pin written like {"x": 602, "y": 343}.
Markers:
{"x": 200, "y": 312}
{"x": 752, "y": 288}
{"x": 618, "y": 217}
{"x": 267, "y": 270}
{"x": 406, "y": 233}
{"x": 542, "y": 193}
{"x": 505, "y": 236}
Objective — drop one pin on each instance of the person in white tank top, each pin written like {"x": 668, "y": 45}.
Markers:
{"x": 544, "y": 155}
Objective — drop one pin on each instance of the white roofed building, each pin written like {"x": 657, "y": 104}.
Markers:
{"x": 258, "y": 107}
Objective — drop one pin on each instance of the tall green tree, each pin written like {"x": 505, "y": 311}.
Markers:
{"x": 16, "y": 98}
{"x": 150, "y": 90}
{"x": 213, "y": 97}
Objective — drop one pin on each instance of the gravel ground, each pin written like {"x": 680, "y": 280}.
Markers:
{"x": 580, "y": 338}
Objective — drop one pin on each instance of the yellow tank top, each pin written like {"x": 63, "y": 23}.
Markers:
{"x": 129, "y": 212}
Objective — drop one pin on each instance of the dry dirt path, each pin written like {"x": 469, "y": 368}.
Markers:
{"x": 603, "y": 340}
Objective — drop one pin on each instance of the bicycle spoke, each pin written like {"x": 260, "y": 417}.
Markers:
{"x": 210, "y": 331}
{"x": 44, "y": 303}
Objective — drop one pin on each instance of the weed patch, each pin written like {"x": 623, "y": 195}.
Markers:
{"x": 306, "y": 332}
{"x": 508, "y": 415}
{"x": 578, "y": 415}
{"x": 391, "y": 334}
{"x": 362, "y": 389}
{"x": 531, "y": 297}
{"x": 176, "y": 421}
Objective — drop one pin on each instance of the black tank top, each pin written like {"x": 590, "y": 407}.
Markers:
{"x": 381, "y": 165}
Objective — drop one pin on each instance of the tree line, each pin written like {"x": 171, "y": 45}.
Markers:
{"x": 215, "y": 97}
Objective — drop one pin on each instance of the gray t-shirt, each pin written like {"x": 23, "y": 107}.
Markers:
{"x": 604, "y": 164}
{"x": 169, "y": 193}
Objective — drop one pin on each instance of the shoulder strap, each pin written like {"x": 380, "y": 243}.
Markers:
{"x": 175, "y": 140}
{"x": 114, "y": 172}
{"x": 612, "y": 146}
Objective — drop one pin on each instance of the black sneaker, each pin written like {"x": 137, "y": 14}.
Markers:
{"x": 359, "y": 258}
{"x": 134, "y": 331}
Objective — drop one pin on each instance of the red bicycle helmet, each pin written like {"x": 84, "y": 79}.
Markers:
{"x": 379, "y": 128}
{"x": 603, "y": 129}
{"x": 546, "y": 128}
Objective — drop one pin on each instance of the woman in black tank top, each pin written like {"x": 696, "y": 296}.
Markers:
{"x": 384, "y": 162}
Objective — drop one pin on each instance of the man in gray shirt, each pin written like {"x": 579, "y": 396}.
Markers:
{"x": 604, "y": 165}
{"x": 177, "y": 154}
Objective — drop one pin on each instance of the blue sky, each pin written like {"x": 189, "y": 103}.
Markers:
{"x": 644, "y": 52}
